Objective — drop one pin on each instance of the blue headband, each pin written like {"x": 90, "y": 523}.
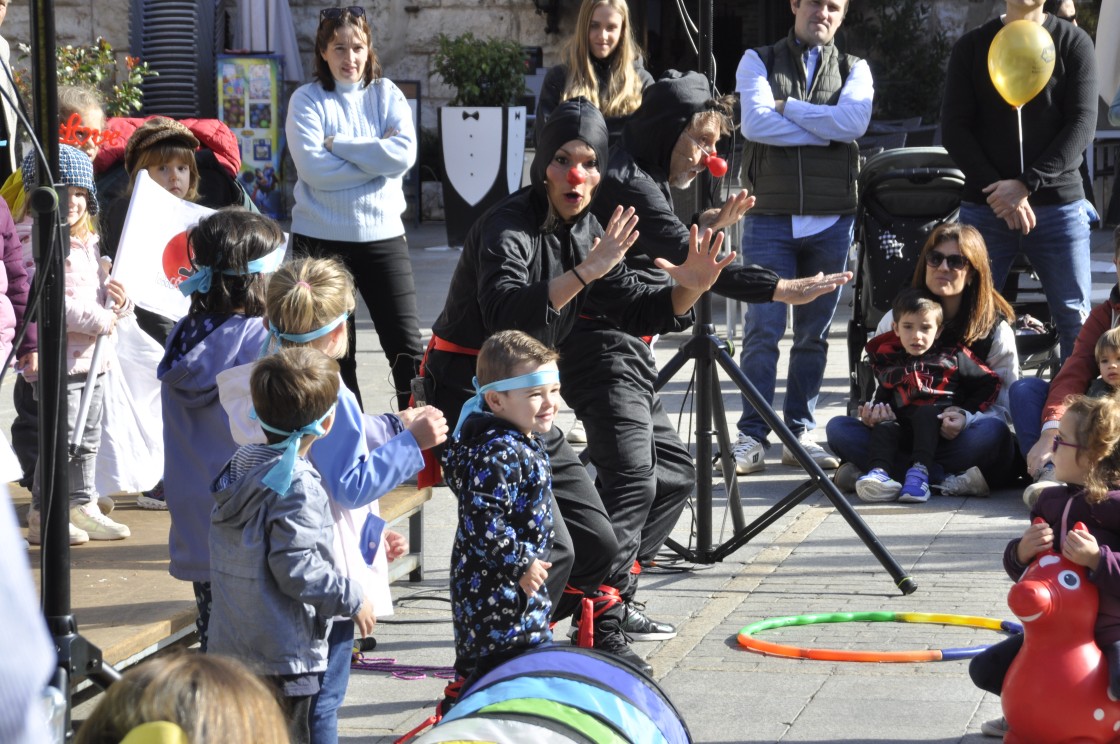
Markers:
{"x": 275, "y": 334}
{"x": 199, "y": 281}
{"x": 279, "y": 478}
{"x": 474, "y": 405}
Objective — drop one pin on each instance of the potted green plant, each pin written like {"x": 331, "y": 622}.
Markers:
{"x": 482, "y": 131}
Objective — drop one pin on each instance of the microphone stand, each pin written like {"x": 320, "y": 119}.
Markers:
{"x": 77, "y": 657}
{"x": 707, "y": 350}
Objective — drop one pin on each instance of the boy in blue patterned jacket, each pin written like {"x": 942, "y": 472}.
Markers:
{"x": 500, "y": 472}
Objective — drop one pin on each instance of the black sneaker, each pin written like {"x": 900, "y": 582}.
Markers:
{"x": 615, "y": 643}
{"x": 640, "y": 627}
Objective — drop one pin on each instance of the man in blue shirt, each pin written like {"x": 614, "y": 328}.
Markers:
{"x": 804, "y": 104}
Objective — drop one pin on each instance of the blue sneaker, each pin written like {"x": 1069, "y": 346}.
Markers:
{"x": 877, "y": 486}
{"x": 915, "y": 490}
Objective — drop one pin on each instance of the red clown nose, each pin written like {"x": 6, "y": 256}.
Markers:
{"x": 717, "y": 166}
{"x": 575, "y": 178}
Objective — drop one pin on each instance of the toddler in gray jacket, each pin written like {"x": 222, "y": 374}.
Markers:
{"x": 275, "y": 588}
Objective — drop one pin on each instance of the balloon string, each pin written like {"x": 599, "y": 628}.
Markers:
{"x": 1019, "y": 116}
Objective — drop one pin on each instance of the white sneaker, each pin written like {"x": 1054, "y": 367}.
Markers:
{"x": 969, "y": 483}
{"x": 996, "y": 728}
{"x": 877, "y": 487}
{"x": 78, "y": 536}
{"x": 1044, "y": 480}
{"x": 576, "y": 434}
{"x": 99, "y": 527}
{"x": 749, "y": 454}
{"x": 822, "y": 457}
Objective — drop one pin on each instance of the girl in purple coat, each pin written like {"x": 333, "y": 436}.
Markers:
{"x": 1087, "y": 458}
{"x": 232, "y": 252}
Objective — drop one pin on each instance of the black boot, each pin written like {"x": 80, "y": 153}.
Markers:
{"x": 636, "y": 624}
{"x": 608, "y": 614}
{"x": 640, "y": 627}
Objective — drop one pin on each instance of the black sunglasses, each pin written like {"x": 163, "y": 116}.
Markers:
{"x": 334, "y": 14}
{"x": 955, "y": 262}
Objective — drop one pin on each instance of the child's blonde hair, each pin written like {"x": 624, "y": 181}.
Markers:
{"x": 1098, "y": 433}
{"x": 214, "y": 699}
{"x": 307, "y": 294}
{"x": 1108, "y": 342}
{"x": 77, "y": 99}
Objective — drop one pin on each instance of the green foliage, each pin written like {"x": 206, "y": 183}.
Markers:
{"x": 483, "y": 72}
{"x": 907, "y": 51}
{"x": 96, "y": 66}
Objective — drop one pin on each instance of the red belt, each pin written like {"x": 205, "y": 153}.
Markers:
{"x": 430, "y": 475}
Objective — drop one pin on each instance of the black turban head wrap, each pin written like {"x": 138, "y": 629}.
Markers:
{"x": 577, "y": 119}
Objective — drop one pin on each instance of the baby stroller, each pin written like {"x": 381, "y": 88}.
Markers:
{"x": 904, "y": 194}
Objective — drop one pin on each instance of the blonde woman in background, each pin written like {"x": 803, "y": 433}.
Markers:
{"x": 601, "y": 62}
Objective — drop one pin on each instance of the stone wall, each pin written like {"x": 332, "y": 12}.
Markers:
{"x": 404, "y": 30}
{"x": 76, "y": 22}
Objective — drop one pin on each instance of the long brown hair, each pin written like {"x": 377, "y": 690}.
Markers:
{"x": 982, "y": 307}
{"x": 1098, "y": 434}
{"x": 323, "y": 36}
{"x": 624, "y": 87}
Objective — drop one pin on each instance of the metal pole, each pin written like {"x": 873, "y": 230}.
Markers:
{"x": 76, "y": 657}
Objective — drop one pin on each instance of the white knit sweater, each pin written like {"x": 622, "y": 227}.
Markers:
{"x": 353, "y": 191}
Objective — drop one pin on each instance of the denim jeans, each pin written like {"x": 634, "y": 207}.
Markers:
{"x": 1026, "y": 398}
{"x": 323, "y": 717}
{"x": 768, "y": 241}
{"x": 987, "y": 444}
{"x": 1058, "y": 249}
{"x": 82, "y": 464}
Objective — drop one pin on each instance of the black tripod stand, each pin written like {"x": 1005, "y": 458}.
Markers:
{"x": 77, "y": 657}
{"x": 706, "y": 350}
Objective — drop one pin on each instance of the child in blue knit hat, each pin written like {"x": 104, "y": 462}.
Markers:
{"x": 94, "y": 303}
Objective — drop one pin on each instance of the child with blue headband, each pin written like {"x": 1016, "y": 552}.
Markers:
{"x": 273, "y": 577}
{"x": 361, "y": 459}
{"x": 232, "y": 251}
{"x": 500, "y": 472}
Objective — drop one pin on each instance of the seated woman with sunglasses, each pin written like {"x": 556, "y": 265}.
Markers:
{"x": 352, "y": 139}
{"x": 1037, "y": 406}
{"x": 953, "y": 268}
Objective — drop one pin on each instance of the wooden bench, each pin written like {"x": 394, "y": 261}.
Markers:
{"x": 407, "y": 503}
{"x": 128, "y": 605}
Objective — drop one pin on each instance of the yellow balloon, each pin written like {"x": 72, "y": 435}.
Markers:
{"x": 1020, "y": 61}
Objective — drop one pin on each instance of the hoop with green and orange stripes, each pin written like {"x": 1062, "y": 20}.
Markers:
{"x": 748, "y": 640}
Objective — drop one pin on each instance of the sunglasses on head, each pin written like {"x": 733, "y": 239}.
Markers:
{"x": 956, "y": 262}
{"x": 334, "y": 14}
{"x": 1059, "y": 442}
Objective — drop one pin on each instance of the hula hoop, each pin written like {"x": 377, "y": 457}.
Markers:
{"x": 749, "y": 642}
